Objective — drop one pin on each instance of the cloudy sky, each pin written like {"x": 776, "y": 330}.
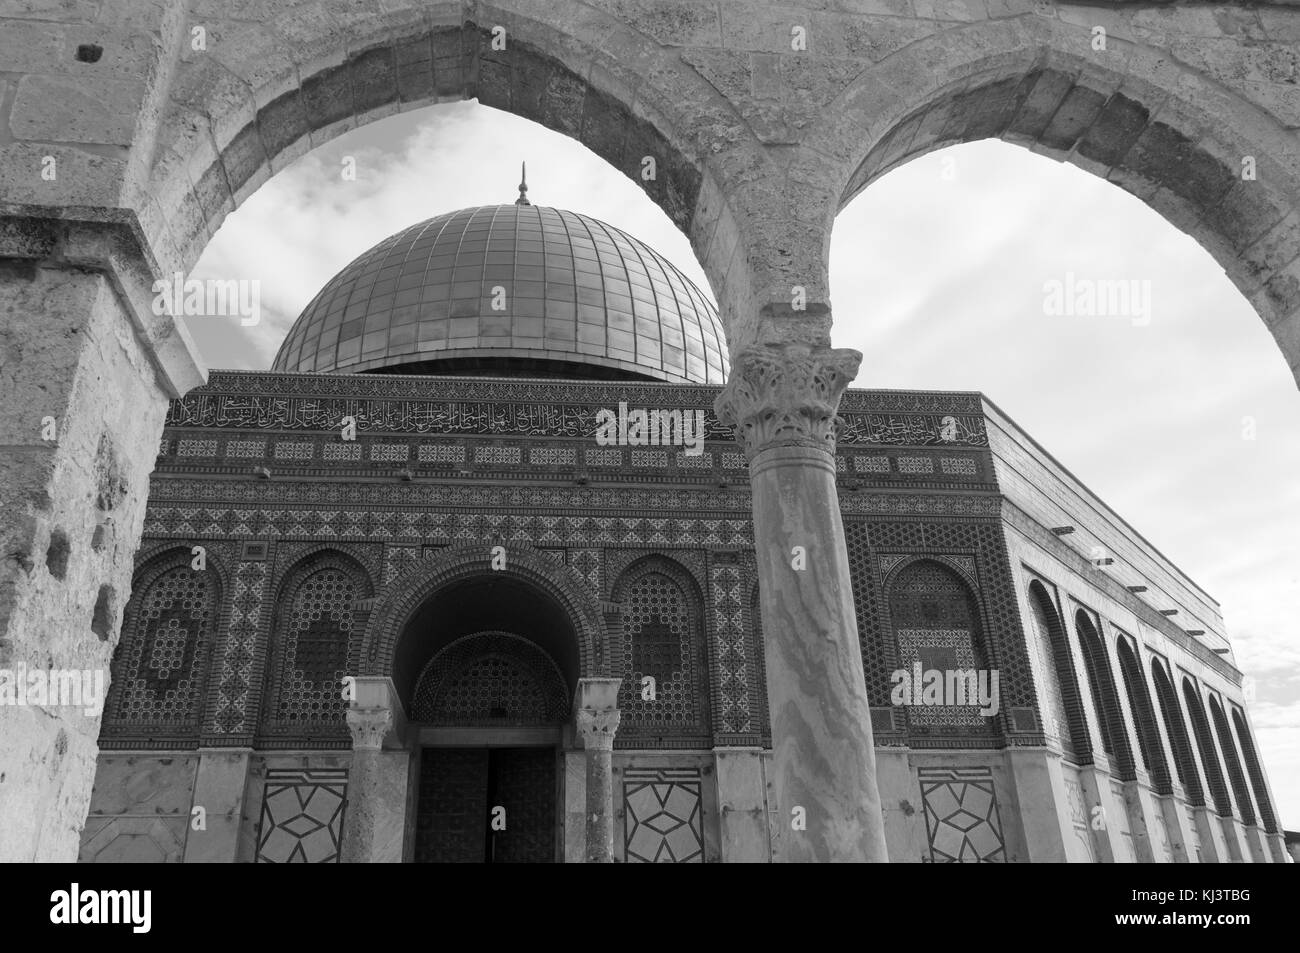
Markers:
{"x": 937, "y": 276}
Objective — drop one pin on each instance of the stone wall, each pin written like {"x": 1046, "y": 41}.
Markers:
{"x": 70, "y": 369}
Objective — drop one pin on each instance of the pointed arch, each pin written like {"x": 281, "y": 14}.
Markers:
{"x": 1176, "y": 729}
{"x": 1064, "y": 717}
{"x": 1205, "y": 744}
{"x": 1144, "y": 718}
{"x": 169, "y": 627}
{"x": 313, "y": 645}
{"x": 1236, "y": 777}
{"x": 935, "y": 618}
{"x": 1105, "y": 699}
{"x": 661, "y": 628}
{"x": 1256, "y": 772}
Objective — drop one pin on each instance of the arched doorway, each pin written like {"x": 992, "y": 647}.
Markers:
{"x": 489, "y": 795}
{"x": 485, "y": 664}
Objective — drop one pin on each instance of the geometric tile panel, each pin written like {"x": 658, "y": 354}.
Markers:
{"x": 958, "y": 466}
{"x": 346, "y": 522}
{"x": 729, "y": 628}
{"x": 961, "y": 815}
{"x": 660, "y": 632}
{"x": 302, "y": 816}
{"x": 662, "y": 818}
{"x": 235, "y": 667}
{"x": 955, "y": 646}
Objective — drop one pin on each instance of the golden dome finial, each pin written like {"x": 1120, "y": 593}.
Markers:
{"x": 523, "y": 185}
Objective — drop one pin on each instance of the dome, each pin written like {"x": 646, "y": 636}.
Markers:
{"x": 511, "y": 289}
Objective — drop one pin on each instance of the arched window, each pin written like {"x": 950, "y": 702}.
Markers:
{"x": 1144, "y": 717}
{"x": 1105, "y": 700}
{"x": 662, "y": 639}
{"x": 311, "y": 639}
{"x": 1256, "y": 773}
{"x": 1205, "y": 744}
{"x": 1063, "y": 721}
{"x": 1176, "y": 729}
{"x": 1245, "y": 807}
{"x": 167, "y": 633}
{"x": 491, "y": 678}
{"x": 935, "y": 622}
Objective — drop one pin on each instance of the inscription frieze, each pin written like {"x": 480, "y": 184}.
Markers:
{"x": 454, "y": 417}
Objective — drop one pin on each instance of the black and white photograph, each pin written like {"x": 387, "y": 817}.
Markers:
{"x": 651, "y": 431}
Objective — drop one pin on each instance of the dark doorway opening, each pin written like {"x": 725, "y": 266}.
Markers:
{"x": 486, "y": 805}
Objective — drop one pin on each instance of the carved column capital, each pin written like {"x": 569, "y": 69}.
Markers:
{"x": 786, "y": 395}
{"x": 598, "y": 728}
{"x": 369, "y": 726}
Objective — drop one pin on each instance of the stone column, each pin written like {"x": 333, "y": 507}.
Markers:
{"x": 597, "y": 722}
{"x": 782, "y": 400}
{"x": 86, "y": 369}
{"x": 368, "y": 727}
{"x": 375, "y": 818}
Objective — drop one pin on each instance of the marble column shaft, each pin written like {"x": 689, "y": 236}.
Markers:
{"x": 782, "y": 400}
{"x": 368, "y": 727}
{"x": 598, "y": 728}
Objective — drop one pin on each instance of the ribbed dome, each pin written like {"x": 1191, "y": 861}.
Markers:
{"x": 580, "y": 299}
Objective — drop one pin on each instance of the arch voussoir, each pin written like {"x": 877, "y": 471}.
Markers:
{"x": 403, "y": 597}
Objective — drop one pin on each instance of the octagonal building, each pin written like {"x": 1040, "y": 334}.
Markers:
{"x": 442, "y": 565}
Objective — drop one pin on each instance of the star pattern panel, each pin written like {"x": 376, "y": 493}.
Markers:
{"x": 961, "y": 815}
{"x": 302, "y": 816}
{"x": 663, "y": 822}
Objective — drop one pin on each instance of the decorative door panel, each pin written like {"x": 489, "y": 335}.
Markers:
{"x": 451, "y": 821}
{"x": 523, "y": 783}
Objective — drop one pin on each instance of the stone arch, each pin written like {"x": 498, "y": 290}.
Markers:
{"x": 1144, "y": 718}
{"x": 1105, "y": 699}
{"x": 1043, "y": 613}
{"x": 316, "y": 706}
{"x": 1256, "y": 772}
{"x": 402, "y": 597}
{"x": 683, "y": 702}
{"x": 1205, "y": 743}
{"x": 1170, "y": 135}
{"x": 263, "y": 94}
{"x": 1236, "y": 777}
{"x": 166, "y": 566}
{"x": 1184, "y": 761}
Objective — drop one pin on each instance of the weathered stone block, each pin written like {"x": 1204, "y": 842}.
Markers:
{"x": 327, "y": 97}
{"x": 374, "y": 78}
{"x": 1164, "y": 155}
{"x": 282, "y": 122}
{"x": 65, "y": 109}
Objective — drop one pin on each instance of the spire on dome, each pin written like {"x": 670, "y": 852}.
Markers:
{"x": 523, "y": 185}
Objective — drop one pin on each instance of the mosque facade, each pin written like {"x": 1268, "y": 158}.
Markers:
{"x": 471, "y": 575}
